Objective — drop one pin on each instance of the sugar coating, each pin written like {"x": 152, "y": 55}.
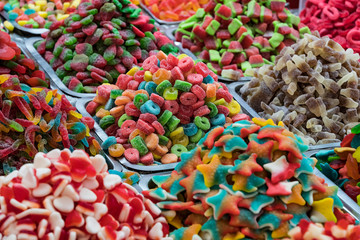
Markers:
{"x": 312, "y": 89}
{"x": 259, "y": 186}
{"x": 76, "y": 199}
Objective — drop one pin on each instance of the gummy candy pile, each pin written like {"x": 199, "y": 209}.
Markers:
{"x": 235, "y": 36}
{"x": 336, "y": 19}
{"x": 65, "y": 195}
{"x": 312, "y": 89}
{"x": 175, "y": 10}
{"x": 163, "y": 110}
{"x": 246, "y": 180}
{"x": 341, "y": 165}
{"x": 99, "y": 41}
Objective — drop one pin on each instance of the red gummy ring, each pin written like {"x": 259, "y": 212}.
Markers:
{"x": 176, "y": 74}
{"x": 121, "y": 140}
{"x": 158, "y": 127}
{"x": 144, "y": 127}
{"x": 198, "y": 104}
{"x": 148, "y": 117}
{"x": 186, "y": 110}
{"x": 202, "y": 69}
{"x": 172, "y": 60}
{"x": 239, "y": 117}
{"x": 132, "y": 110}
{"x": 172, "y": 106}
{"x": 133, "y": 85}
{"x": 147, "y": 159}
{"x": 222, "y": 93}
{"x": 195, "y": 79}
{"x": 188, "y": 98}
{"x": 202, "y": 111}
{"x": 186, "y": 64}
{"x": 149, "y": 62}
{"x": 353, "y": 37}
{"x": 132, "y": 155}
{"x": 222, "y": 109}
{"x": 183, "y": 119}
{"x": 198, "y": 91}
{"x": 88, "y": 121}
{"x": 164, "y": 64}
{"x": 127, "y": 128}
{"x": 157, "y": 99}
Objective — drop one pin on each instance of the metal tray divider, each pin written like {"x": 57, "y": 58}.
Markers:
{"x": 235, "y": 87}
{"x": 29, "y": 43}
{"x": 81, "y": 107}
{"x": 35, "y": 31}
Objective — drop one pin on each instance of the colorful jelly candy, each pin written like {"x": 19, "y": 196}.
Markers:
{"x": 338, "y": 20}
{"x": 341, "y": 165}
{"x": 38, "y": 119}
{"x": 245, "y": 181}
{"x": 236, "y": 36}
{"x": 162, "y": 109}
{"x": 38, "y": 13}
{"x": 64, "y": 195}
{"x": 315, "y": 96}
{"x": 100, "y": 41}
{"x": 172, "y": 10}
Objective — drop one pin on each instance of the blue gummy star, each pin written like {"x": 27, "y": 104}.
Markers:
{"x": 259, "y": 202}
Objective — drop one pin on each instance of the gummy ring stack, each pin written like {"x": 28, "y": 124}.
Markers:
{"x": 341, "y": 165}
{"x": 38, "y": 13}
{"x": 246, "y": 180}
{"x": 239, "y": 35}
{"x": 65, "y": 195}
{"x": 100, "y": 41}
{"x": 336, "y": 19}
{"x": 162, "y": 110}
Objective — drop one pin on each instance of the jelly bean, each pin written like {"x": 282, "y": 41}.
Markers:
{"x": 105, "y": 46}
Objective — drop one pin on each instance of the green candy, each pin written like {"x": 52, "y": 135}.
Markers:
{"x": 162, "y": 86}
{"x": 140, "y": 99}
{"x": 106, "y": 121}
{"x": 234, "y": 26}
{"x": 163, "y": 140}
{"x": 173, "y": 123}
{"x": 276, "y": 39}
{"x": 165, "y": 117}
{"x": 212, "y": 28}
{"x": 178, "y": 149}
{"x": 196, "y": 138}
{"x": 182, "y": 86}
{"x": 123, "y": 118}
{"x": 214, "y": 55}
{"x": 213, "y": 109}
{"x": 170, "y": 93}
{"x": 116, "y": 93}
{"x": 87, "y": 20}
{"x": 202, "y": 123}
{"x": 139, "y": 143}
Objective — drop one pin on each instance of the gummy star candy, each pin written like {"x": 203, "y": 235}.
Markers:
{"x": 258, "y": 192}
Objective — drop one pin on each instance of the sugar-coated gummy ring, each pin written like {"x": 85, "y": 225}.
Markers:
{"x": 140, "y": 99}
{"x": 195, "y": 138}
{"x": 177, "y": 133}
{"x": 172, "y": 106}
{"x": 170, "y": 93}
{"x": 218, "y": 120}
{"x": 213, "y": 109}
{"x": 202, "y": 69}
{"x": 182, "y": 85}
{"x": 132, "y": 155}
{"x": 191, "y": 146}
{"x": 173, "y": 123}
{"x": 195, "y": 78}
{"x": 190, "y": 129}
{"x": 145, "y": 127}
{"x": 186, "y": 64}
{"x": 157, "y": 99}
{"x": 163, "y": 140}
{"x": 123, "y": 118}
{"x": 106, "y": 121}
{"x": 158, "y": 127}
{"x": 127, "y": 127}
{"x": 150, "y": 87}
{"x": 165, "y": 116}
{"x": 178, "y": 149}
{"x": 188, "y": 98}
{"x": 150, "y": 107}
{"x": 183, "y": 140}
{"x": 108, "y": 142}
{"x": 139, "y": 144}
{"x": 162, "y": 86}
{"x": 116, "y": 150}
{"x": 202, "y": 123}
{"x": 148, "y": 117}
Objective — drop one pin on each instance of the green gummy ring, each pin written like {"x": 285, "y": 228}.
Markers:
{"x": 196, "y": 138}
{"x": 170, "y": 93}
{"x": 202, "y": 123}
{"x": 165, "y": 117}
{"x": 162, "y": 86}
{"x": 123, "y": 118}
{"x": 182, "y": 85}
{"x": 163, "y": 140}
{"x": 106, "y": 121}
{"x": 173, "y": 123}
{"x": 139, "y": 143}
{"x": 213, "y": 109}
{"x": 140, "y": 99}
{"x": 178, "y": 149}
